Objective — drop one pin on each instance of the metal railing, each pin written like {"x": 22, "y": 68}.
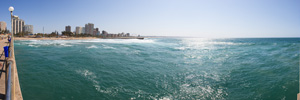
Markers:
{"x": 13, "y": 91}
{"x": 8, "y": 89}
{"x": 9, "y": 78}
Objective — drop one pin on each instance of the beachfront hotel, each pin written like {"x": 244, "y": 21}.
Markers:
{"x": 96, "y": 32}
{"x": 28, "y": 28}
{"x": 18, "y": 24}
{"x": 78, "y": 30}
{"x": 68, "y": 28}
{"x": 89, "y": 28}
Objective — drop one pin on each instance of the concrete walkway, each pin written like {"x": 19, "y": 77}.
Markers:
{"x": 16, "y": 93}
{"x": 3, "y": 74}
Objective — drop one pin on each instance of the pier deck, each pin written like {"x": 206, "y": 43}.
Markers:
{"x": 15, "y": 89}
{"x": 3, "y": 74}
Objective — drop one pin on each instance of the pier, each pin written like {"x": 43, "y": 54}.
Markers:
{"x": 9, "y": 80}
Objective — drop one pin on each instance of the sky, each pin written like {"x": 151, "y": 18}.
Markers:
{"x": 191, "y": 18}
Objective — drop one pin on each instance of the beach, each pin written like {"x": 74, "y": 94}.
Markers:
{"x": 73, "y": 38}
{"x": 54, "y": 38}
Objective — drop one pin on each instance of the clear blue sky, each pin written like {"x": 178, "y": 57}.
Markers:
{"x": 196, "y": 18}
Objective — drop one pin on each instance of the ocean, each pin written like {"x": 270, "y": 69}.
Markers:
{"x": 159, "y": 68}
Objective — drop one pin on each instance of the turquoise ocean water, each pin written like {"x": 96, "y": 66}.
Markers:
{"x": 159, "y": 68}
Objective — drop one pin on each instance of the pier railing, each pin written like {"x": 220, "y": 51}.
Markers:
{"x": 8, "y": 89}
{"x": 13, "y": 90}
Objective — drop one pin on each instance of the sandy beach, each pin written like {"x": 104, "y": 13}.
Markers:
{"x": 73, "y": 38}
{"x": 53, "y": 38}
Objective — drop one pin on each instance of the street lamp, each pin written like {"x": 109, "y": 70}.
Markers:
{"x": 11, "y": 9}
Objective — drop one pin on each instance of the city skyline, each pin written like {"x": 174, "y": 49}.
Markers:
{"x": 194, "y": 18}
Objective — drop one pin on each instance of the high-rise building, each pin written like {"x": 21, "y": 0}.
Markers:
{"x": 17, "y": 25}
{"x": 68, "y": 28}
{"x": 104, "y": 32}
{"x": 83, "y": 30}
{"x": 2, "y": 25}
{"x": 28, "y": 28}
{"x": 96, "y": 32}
{"x": 78, "y": 30}
{"x": 89, "y": 28}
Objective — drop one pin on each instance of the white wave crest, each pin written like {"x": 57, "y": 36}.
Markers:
{"x": 120, "y": 41}
{"x": 33, "y": 45}
{"x": 107, "y": 47}
{"x": 92, "y": 46}
{"x": 68, "y": 43}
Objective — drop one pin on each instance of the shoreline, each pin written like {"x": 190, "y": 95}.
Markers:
{"x": 69, "y": 38}
{"x": 53, "y": 38}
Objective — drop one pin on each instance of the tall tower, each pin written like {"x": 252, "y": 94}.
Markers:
{"x": 89, "y": 28}
{"x": 78, "y": 30}
{"x": 28, "y": 28}
{"x": 68, "y": 28}
{"x": 17, "y": 25}
{"x": 21, "y": 25}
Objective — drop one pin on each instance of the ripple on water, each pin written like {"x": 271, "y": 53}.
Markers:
{"x": 163, "y": 68}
